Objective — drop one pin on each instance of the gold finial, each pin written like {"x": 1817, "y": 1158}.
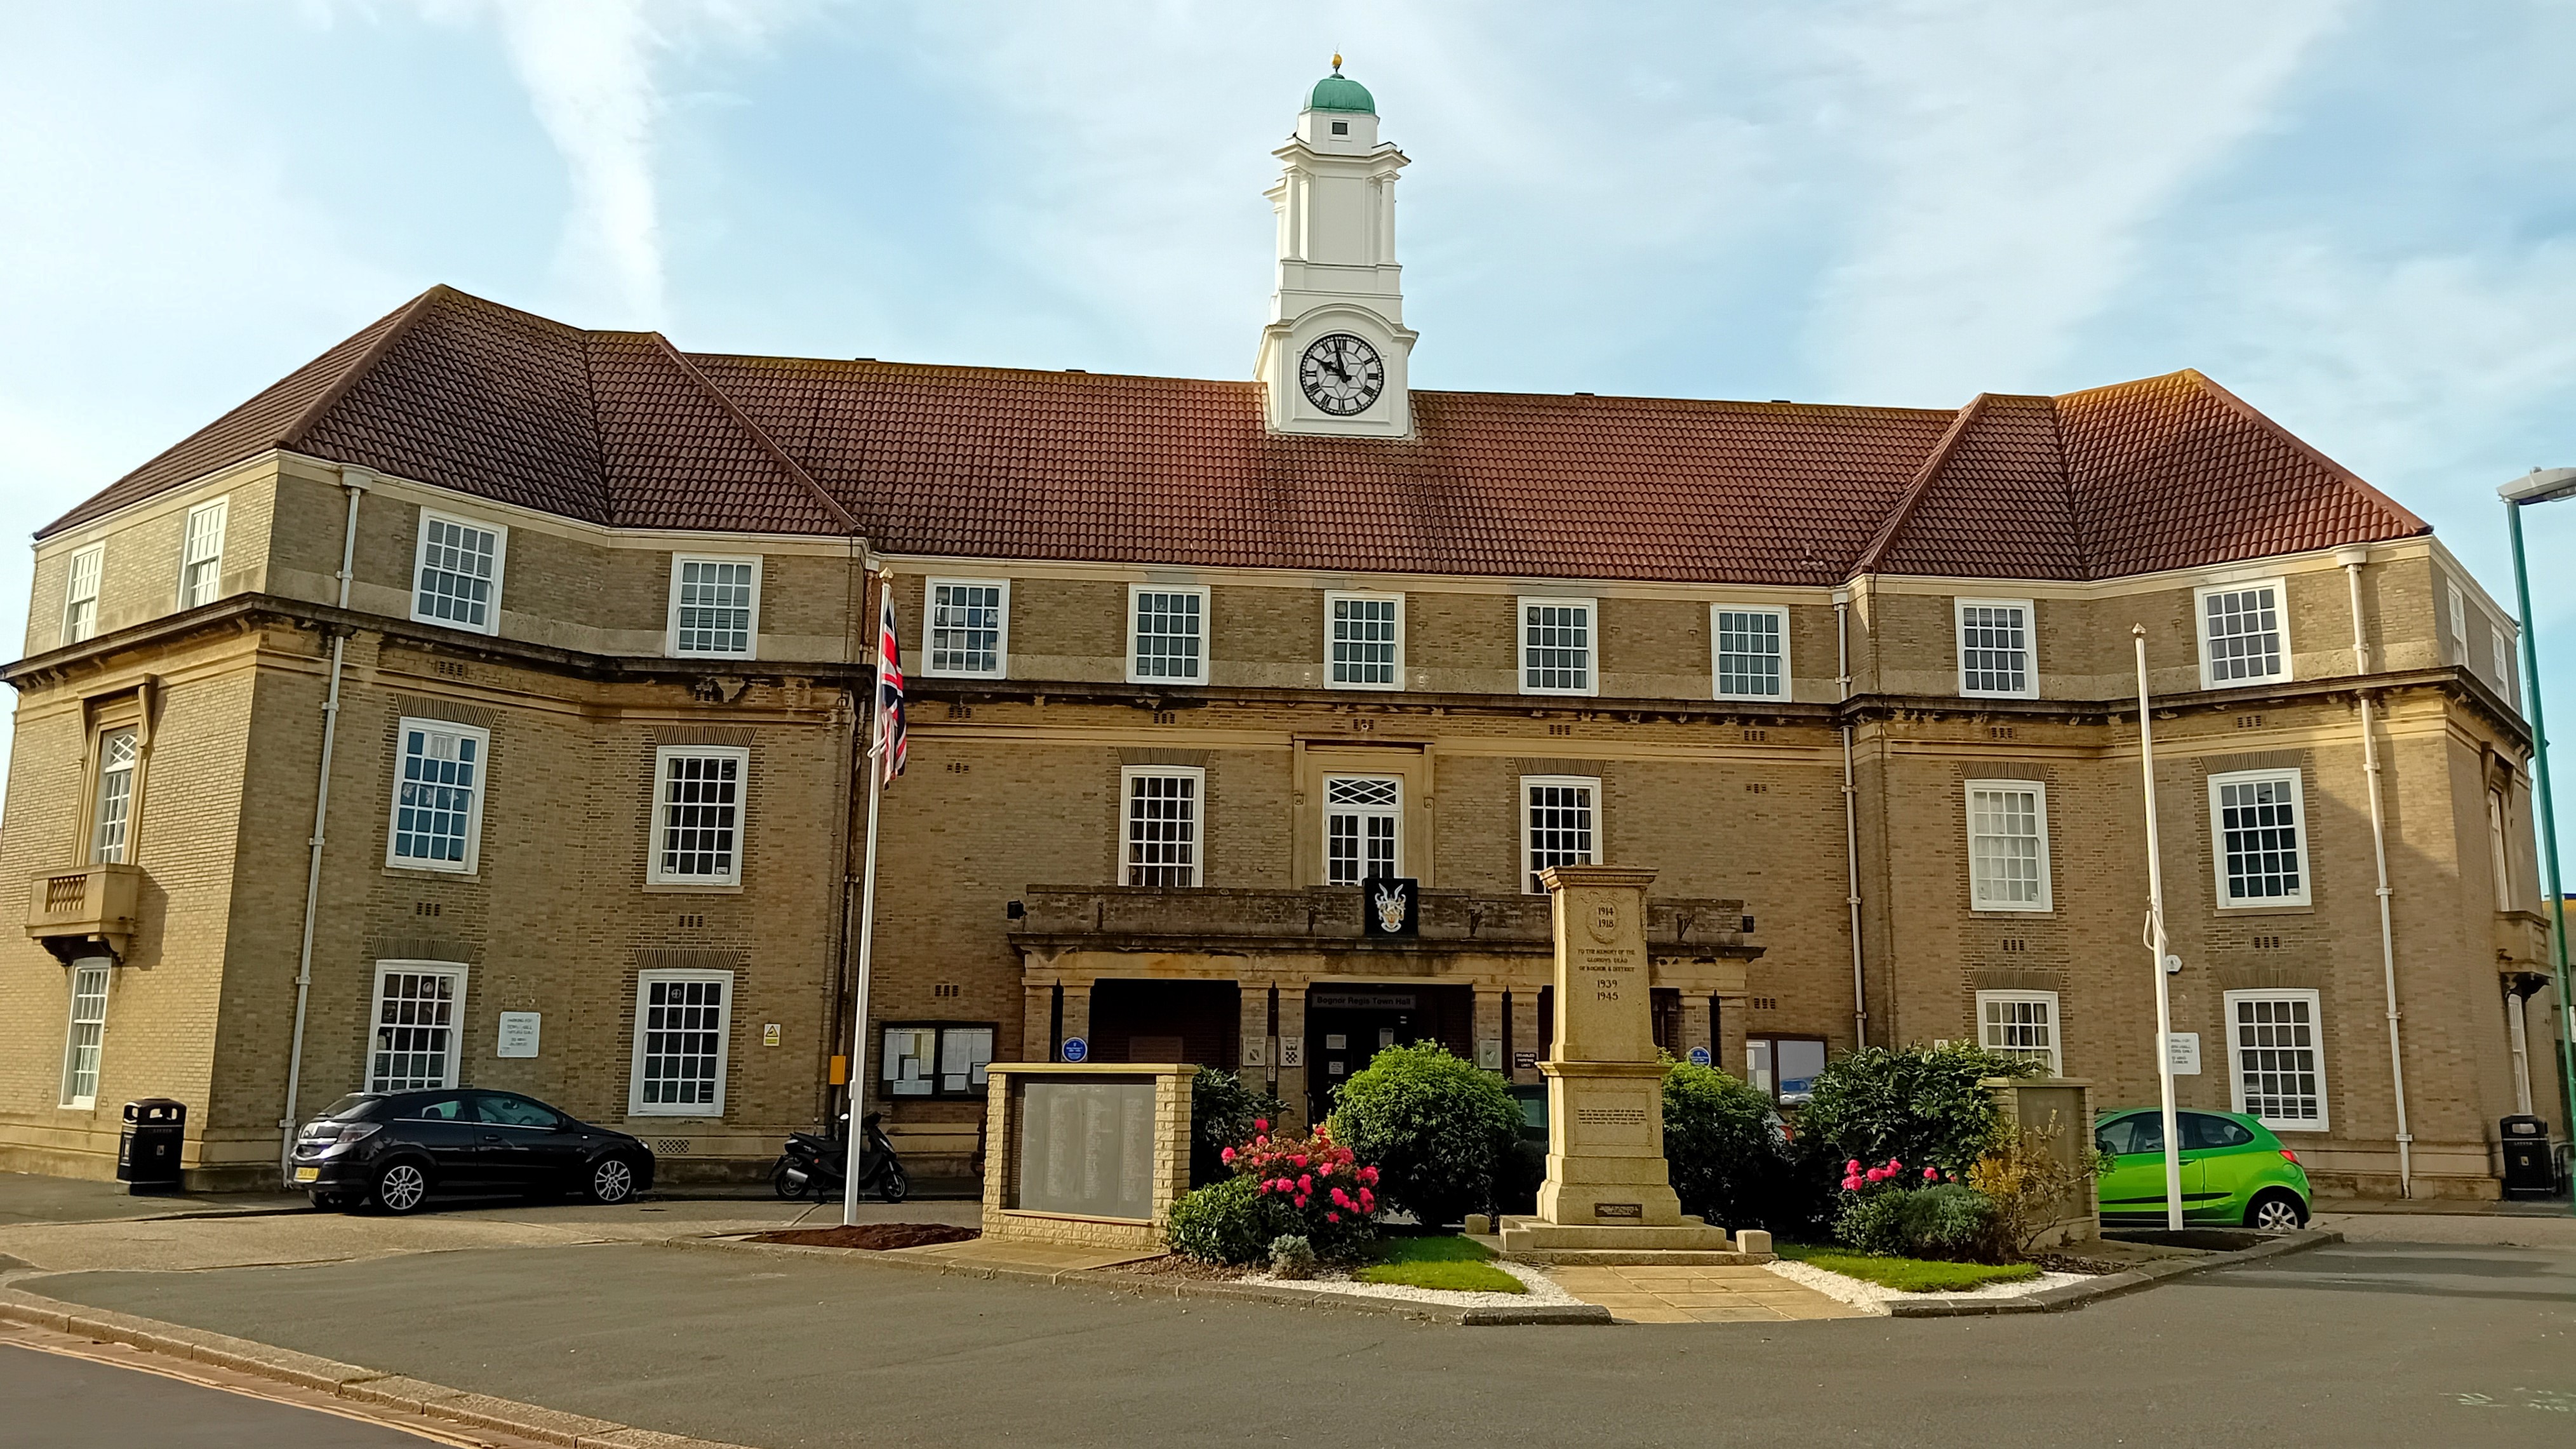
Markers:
{"x": 1337, "y": 62}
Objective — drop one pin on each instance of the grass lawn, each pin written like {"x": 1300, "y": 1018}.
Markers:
{"x": 1907, "y": 1275}
{"x": 1456, "y": 1264}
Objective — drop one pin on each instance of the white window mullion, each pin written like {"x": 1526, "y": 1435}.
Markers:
{"x": 438, "y": 795}
{"x": 1558, "y": 647}
{"x": 2244, "y": 634}
{"x": 1560, "y": 825}
{"x": 1167, "y": 631}
{"x": 201, "y": 553}
{"x": 683, "y": 1027}
{"x": 1160, "y": 824}
{"x": 1364, "y": 641}
{"x": 715, "y": 607}
{"x": 80, "y": 593}
{"x": 1998, "y": 655}
{"x": 2020, "y": 1024}
{"x": 2008, "y": 846}
{"x": 1363, "y": 828}
{"x": 112, "y": 821}
{"x": 419, "y": 1021}
{"x": 2258, "y": 828}
{"x": 2276, "y": 1058}
{"x": 86, "y": 1039}
{"x": 697, "y": 815}
{"x": 965, "y": 628}
{"x": 456, "y": 573}
{"x": 1749, "y": 651}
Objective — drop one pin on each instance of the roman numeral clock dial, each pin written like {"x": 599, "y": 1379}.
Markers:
{"x": 1341, "y": 374}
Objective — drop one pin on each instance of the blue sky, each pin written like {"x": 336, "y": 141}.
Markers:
{"x": 2359, "y": 217}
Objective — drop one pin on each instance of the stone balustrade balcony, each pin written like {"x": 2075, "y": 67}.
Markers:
{"x": 1219, "y": 919}
{"x": 85, "y": 911}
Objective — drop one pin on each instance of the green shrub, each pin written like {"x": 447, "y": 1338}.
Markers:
{"x": 1870, "y": 1223}
{"x": 1435, "y": 1124}
{"x": 1952, "y": 1222}
{"x": 1918, "y": 1104}
{"x": 1222, "y": 1111}
{"x": 1291, "y": 1256}
{"x": 1949, "y": 1222}
{"x": 1231, "y": 1222}
{"x": 1728, "y": 1158}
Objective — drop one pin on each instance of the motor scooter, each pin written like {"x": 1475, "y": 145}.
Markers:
{"x": 815, "y": 1163}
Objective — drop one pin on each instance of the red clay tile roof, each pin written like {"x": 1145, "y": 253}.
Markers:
{"x": 622, "y": 429}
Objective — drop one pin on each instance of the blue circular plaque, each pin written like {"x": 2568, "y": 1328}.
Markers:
{"x": 1699, "y": 1056}
{"x": 1075, "y": 1049}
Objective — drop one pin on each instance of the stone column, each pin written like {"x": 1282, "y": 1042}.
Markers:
{"x": 1489, "y": 1023}
{"x": 1731, "y": 1012}
{"x": 1696, "y": 1026}
{"x": 1252, "y": 1057}
{"x": 1037, "y": 1015}
{"x": 1077, "y": 1013}
{"x": 1524, "y": 1035}
{"x": 1292, "y": 1028}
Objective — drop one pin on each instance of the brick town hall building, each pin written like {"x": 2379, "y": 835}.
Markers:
{"x": 489, "y": 666}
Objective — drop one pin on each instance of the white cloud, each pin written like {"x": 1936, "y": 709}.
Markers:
{"x": 2008, "y": 156}
{"x": 588, "y": 69}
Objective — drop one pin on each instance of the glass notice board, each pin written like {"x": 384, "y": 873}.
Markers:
{"x": 1086, "y": 1147}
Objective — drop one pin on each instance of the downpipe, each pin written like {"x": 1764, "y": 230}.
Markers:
{"x": 2352, "y": 559}
{"x": 1851, "y": 821}
{"x": 355, "y": 482}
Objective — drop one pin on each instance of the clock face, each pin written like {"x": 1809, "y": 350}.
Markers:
{"x": 1341, "y": 374}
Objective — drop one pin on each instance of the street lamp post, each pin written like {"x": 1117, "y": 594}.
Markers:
{"x": 2545, "y": 486}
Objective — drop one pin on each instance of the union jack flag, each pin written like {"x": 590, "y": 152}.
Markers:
{"x": 891, "y": 744}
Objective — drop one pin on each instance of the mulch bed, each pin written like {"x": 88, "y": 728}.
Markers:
{"x": 1173, "y": 1265}
{"x": 875, "y": 1237}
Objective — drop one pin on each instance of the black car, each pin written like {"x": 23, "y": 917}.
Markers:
{"x": 394, "y": 1149}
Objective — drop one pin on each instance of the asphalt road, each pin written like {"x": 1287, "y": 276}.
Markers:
{"x": 2354, "y": 1345}
{"x": 70, "y": 1403}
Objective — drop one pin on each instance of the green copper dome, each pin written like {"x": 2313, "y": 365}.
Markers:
{"x": 1337, "y": 93}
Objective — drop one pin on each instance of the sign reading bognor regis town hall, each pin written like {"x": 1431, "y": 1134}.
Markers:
{"x": 581, "y": 622}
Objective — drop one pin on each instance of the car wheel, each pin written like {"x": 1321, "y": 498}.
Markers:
{"x": 612, "y": 1180}
{"x": 892, "y": 1185}
{"x": 2276, "y": 1212}
{"x": 402, "y": 1187}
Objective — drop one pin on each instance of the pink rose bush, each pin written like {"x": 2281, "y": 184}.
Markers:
{"x": 1320, "y": 1188}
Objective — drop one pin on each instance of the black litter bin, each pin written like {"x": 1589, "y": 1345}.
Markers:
{"x": 147, "y": 1155}
{"x": 2528, "y": 1169}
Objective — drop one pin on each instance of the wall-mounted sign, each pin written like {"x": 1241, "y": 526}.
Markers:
{"x": 1256, "y": 1052}
{"x": 769, "y": 1033}
{"x": 1699, "y": 1056}
{"x": 1489, "y": 1053}
{"x": 1524, "y": 1061}
{"x": 518, "y": 1034}
{"x": 1390, "y": 906}
{"x": 1292, "y": 1051}
{"x": 1337, "y": 998}
{"x": 2182, "y": 1048}
{"x": 1075, "y": 1049}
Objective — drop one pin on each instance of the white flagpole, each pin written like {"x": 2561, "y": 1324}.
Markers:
{"x": 2156, "y": 944}
{"x": 858, "y": 1084}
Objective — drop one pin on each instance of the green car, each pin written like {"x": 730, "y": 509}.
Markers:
{"x": 2233, "y": 1170}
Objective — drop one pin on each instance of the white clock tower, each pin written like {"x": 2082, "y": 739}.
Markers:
{"x": 1333, "y": 358}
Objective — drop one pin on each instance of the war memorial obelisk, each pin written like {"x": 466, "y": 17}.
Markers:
{"x": 1608, "y": 1193}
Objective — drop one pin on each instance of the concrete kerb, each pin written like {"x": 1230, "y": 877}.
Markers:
{"x": 1141, "y": 1286}
{"x": 2112, "y": 1285}
{"x": 354, "y": 1382}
